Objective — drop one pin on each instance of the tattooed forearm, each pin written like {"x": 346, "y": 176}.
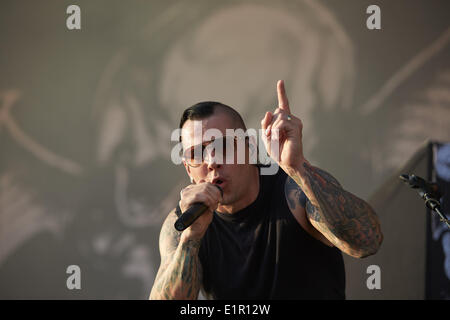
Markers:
{"x": 346, "y": 220}
{"x": 179, "y": 276}
{"x": 180, "y": 279}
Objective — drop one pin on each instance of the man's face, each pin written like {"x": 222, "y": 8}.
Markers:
{"x": 231, "y": 177}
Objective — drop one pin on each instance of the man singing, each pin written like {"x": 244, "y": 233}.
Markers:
{"x": 267, "y": 236}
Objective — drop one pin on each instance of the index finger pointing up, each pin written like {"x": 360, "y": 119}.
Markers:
{"x": 283, "y": 102}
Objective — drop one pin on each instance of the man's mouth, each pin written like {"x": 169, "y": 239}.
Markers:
{"x": 218, "y": 181}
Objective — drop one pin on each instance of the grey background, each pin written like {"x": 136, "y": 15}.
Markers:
{"x": 86, "y": 117}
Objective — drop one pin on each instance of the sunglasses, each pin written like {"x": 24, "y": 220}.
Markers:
{"x": 220, "y": 150}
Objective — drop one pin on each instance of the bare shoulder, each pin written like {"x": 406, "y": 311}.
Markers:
{"x": 293, "y": 194}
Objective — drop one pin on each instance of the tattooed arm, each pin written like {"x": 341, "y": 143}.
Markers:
{"x": 345, "y": 220}
{"x": 179, "y": 275}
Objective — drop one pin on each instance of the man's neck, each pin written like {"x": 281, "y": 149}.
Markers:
{"x": 248, "y": 198}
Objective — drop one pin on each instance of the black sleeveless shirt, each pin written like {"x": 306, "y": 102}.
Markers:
{"x": 262, "y": 252}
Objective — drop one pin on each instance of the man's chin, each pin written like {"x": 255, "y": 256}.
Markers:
{"x": 223, "y": 204}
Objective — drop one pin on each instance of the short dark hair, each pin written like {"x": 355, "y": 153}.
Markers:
{"x": 205, "y": 109}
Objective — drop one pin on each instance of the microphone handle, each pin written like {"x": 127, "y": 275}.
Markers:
{"x": 190, "y": 215}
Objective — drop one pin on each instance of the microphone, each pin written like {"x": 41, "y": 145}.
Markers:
{"x": 191, "y": 214}
{"x": 429, "y": 192}
{"x": 416, "y": 182}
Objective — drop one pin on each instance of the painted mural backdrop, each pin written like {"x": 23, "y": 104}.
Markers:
{"x": 86, "y": 115}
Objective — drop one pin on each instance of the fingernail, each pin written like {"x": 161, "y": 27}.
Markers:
{"x": 267, "y": 131}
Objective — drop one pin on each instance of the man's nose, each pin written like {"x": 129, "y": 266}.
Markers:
{"x": 211, "y": 160}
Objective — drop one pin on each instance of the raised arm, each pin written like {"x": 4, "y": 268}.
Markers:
{"x": 344, "y": 219}
{"x": 179, "y": 275}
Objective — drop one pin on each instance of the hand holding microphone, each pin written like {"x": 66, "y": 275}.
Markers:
{"x": 198, "y": 202}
